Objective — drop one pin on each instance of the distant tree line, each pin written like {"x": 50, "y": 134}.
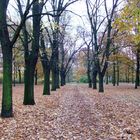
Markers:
{"x": 112, "y": 42}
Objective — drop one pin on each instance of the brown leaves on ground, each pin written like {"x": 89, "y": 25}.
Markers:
{"x": 75, "y": 112}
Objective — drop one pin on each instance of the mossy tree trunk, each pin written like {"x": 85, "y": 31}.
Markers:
{"x": 7, "y": 108}
{"x": 7, "y": 45}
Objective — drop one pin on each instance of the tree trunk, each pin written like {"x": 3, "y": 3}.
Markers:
{"x": 29, "y": 84}
{"x": 118, "y": 74}
{"x": 46, "y": 67}
{"x": 55, "y": 56}
{"x": 89, "y": 77}
{"x": 36, "y": 76}
{"x": 128, "y": 80}
{"x": 32, "y": 56}
{"x": 57, "y": 65}
{"x": 114, "y": 74}
{"x": 19, "y": 75}
{"x": 89, "y": 82}
{"x": 7, "y": 109}
{"x": 57, "y": 76}
{"x": 62, "y": 69}
{"x": 53, "y": 83}
{"x": 14, "y": 75}
{"x": 63, "y": 78}
{"x": 29, "y": 80}
{"x": 137, "y": 70}
{"x": 101, "y": 83}
{"x": 94, "y": 80}
{"x": 132, "y": 75}
{"x": 89, "y": 68}
{"x": 107, "y": 78}
{"x": 46, "y": 89}
{"x": 28, "y": 73}
{"x": 53, "y": 69}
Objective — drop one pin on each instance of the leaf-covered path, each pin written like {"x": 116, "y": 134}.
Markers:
{"x": 75, "y": 112}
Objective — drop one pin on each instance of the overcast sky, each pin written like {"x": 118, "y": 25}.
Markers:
{"x": 79, "y": 8}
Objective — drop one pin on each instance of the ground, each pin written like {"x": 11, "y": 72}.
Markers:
{"x": 75, "y": 112}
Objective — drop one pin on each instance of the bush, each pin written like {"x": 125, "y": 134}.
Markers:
{"x": 83, "y": 79}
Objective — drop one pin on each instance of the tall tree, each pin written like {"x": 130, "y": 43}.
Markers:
{"x": 101, "y": 41}
{"x": 58, "y": 7}
{"x": 129, "y": 23}
{"x": 68, "y": 50}
{"x": 46, "y": 66}
{"x": 32, "y": 56}
{"x": 7, "y": 45}
{"x": 85, "y": 36}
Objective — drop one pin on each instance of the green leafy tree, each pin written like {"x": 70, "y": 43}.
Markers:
{"x": 128, "y": 22}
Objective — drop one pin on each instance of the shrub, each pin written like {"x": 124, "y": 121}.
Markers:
{"x": 83, "y": 79}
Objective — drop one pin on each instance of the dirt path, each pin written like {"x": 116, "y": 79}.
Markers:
{"x": 87, "y": 116}
{"x": 74, "y": 112}
{"x": 75, "y": 119}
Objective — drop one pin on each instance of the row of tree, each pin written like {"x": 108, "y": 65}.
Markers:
{"x": 121, "y": 68}
{"x": 114, "y": 32}
{"x": 42, "y": 31}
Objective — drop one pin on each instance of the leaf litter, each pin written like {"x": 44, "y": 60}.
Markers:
{"x": 75, "y": 112}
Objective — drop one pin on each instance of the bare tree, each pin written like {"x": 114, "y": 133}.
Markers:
{"x": 101, "y": 40}
{"x": 7, "y": 45}
{"x": 68, "y": 50}
{"x": 58, "y": 8}
{"x": 31, "y": 54}
{"x": 85, "y": 35}
{"x": 45, "y": 59}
